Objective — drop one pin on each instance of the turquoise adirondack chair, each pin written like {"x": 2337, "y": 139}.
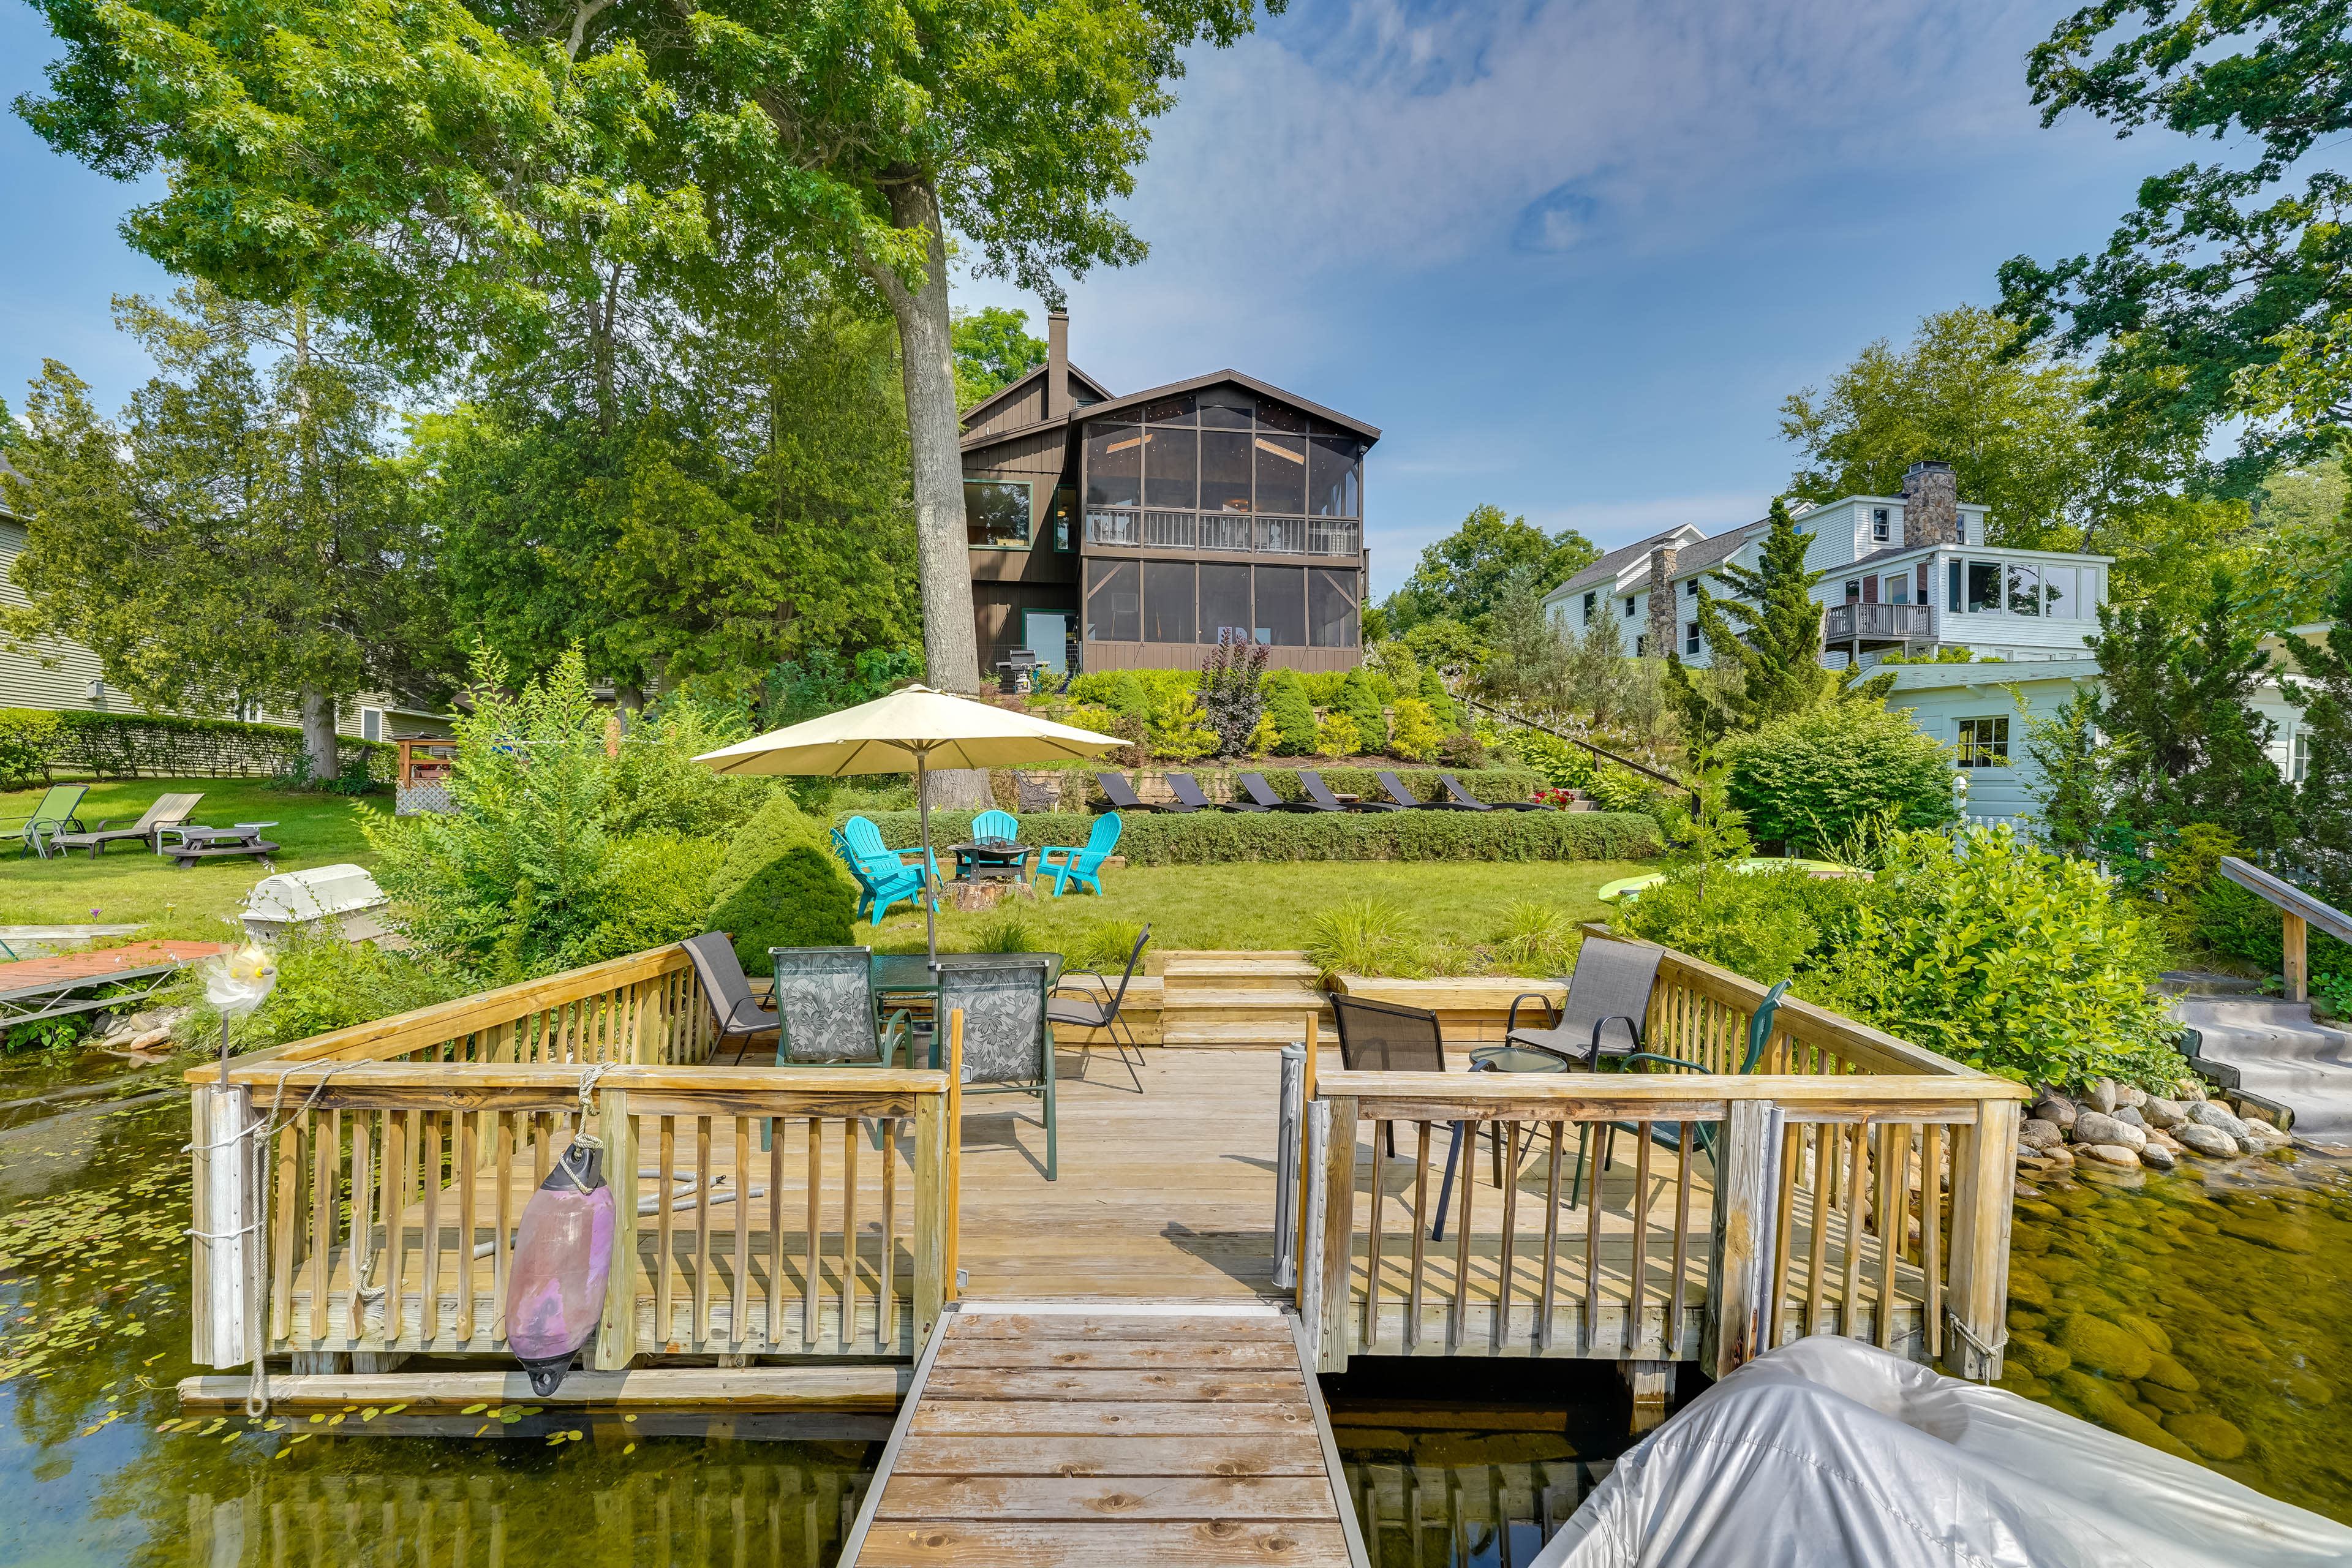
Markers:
{"x": 1082, "y": 863}
{"x": 1759, "y": 1035}
{"x": 882, "y": 881}
{"x": 990, "y": 825}
{"x": 865, "y": 842}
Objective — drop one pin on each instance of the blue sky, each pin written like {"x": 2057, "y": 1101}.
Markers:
{"x": 1568, "y": 257}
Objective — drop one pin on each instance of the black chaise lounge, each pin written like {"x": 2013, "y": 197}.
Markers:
{"x": 1405, "y": 799}
{"x": 1188, "y": 793}
{"x": 1122, "y": 797}
{"x": 1263, "y": 798}
{"x": 1468, "y": 802}
{"x": 1321, "y": 794}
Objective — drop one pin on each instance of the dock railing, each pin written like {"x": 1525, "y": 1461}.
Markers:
{"x": 379, "y": 1218}
{"x": 1856, "y": 1184}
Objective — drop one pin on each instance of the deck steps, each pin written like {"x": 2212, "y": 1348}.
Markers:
{"x": 1278, "y": 972}
{"x": 1104, "y": 1432}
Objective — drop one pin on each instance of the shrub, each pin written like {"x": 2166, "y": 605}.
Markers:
{"x": 1007, "y": 931}
{"x": 1180, "y": 734}
{"x": 1362, "y": 936}
{"x": 1758, "y": 923}
{"x": 323, "y": 984}
{"x": 1208, "y": 838}
{"x": 781, "y": 885}
{"x": 658, "y": 788}
{"x": 1813, "y": 779}
{"x": 1361, "y": 704}
{"x": 1463, "y": 749}
{"x": 1421, "y": 783}
{"x": 1337, "y": 736}
{"x": 1441, "y": 705}
{"x": 1537, "y": 933}
{"x": 1324, "y": 687}
{"x": 1264, "y": 738}
{"x": 1622, "y": 789}
{"x": 1416, "y": 735}
{"x": 27, "y": 737}
{"x": 1233, "y": 699}
{"x": 164, "y": 745}
{"x": 656, "y": 891}
{"x": 1293, "y": 715}
{"x": 1128, "y": 697}
{"x": 1563, "y": 766}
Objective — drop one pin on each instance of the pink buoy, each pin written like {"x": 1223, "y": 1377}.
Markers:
{"x": 563, "y": 1252}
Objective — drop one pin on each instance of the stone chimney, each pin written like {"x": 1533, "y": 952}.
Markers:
{"x": 1931, "y": 505}
{"x": 1664, "y": 626}
{"x": 1057, "y": 364}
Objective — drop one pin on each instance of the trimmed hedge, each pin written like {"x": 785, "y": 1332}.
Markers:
{"x": 1208, "y": 838}
{"x": 1483, "y": 784}
{"x": 162, "y": 745}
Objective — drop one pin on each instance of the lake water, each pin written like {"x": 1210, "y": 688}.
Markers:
{"x": 2246, "y": 1274}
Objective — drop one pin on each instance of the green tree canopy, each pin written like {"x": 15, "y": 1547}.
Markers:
{"x": 992, "y": 350}
{"x": 239, "y": 534}
{"x": 1463, "y": 575}
{"x": 2012, "y": 420}
{"x": 2224, "y": 290}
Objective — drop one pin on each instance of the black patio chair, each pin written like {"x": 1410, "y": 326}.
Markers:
{"x": 741, "y": 1017}
{"x": 1468, "y": 802}
{"x": 1262, "y": 797}
{"x": 1083, "y": 1010}
{"x": 1379, "y": 1036}
{"x": 1611, "y": 986}
{"x": 1406, "y": 800}
{"x": 1321, "y": 794}
{"x": 1188, "y": 794}
{"x": 1122, "y": 796}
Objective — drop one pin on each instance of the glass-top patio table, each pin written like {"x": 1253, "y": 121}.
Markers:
{"x": 910, "y": 977}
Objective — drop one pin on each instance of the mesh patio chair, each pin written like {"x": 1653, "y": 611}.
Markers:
{"x": 1008, "y": 1040}
{"x": 1379, "y": 1036}
{"x": 741, "y": 1016}
{"x": 169, "y": 811}
{"x": 826, "y": 1008}
{"x": 1759, "y": 1035}
{"x": 1082, "y": 1010}
{"x": 1607, "y": 1008}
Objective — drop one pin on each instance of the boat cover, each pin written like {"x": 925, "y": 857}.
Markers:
{"x": 1828, "y": 1453}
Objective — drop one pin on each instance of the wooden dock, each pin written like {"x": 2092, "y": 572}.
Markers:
{"x": 1094, "y": 1432}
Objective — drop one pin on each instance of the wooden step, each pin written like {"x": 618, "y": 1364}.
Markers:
{"x": 1283, "y": 1009}
{"x": 1264, "y": 972}
{"x": 1242, "y": 1037}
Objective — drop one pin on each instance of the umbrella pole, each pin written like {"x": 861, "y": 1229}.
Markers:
{"x": 930, "y": 913}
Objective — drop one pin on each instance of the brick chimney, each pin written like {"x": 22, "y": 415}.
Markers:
{"x": 1057, "y": 364}
{"x": 1931, "y": 505}
{"x": 1664, "y": 626}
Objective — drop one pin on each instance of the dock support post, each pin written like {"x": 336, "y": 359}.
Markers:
{"x": 228, "y": 1217}
{"x": 1744, "y": 1244}
{"x": 1338, "y": 1232}
{"x": 616, "y": 1336}
{"x": 1652, "y": 1383}
{"x": 1984, "y": 1177}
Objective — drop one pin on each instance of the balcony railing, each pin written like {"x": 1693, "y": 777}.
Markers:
{"x": 1843, "y": 622}
{"x": 1237, "y": 531}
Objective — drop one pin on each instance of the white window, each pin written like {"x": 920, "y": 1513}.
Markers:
{"x": 2299, "y": 757}
{"x": 2024, "y": 590}
{"x": 1882, "y": 524}
{"x": 1899, "y": 587}
{"x": 1690, "y": 587}
{"x": 371, "y": 724}
{"x": 1591, "y": 600}
{"x": 2058, "y": 587}
{"x": 1690, "y": 638}
{"x": 1984, "y": 742}
{"x": 1632, "y": 600}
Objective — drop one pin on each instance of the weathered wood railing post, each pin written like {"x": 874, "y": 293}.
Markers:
{"x": 1746, "y": 1190}
{"x": 1338, "y": 1232}
{"x": 616, "y": 1336}
{"x": 934, "y": 1214}
{"x": 1983, "y": 1183}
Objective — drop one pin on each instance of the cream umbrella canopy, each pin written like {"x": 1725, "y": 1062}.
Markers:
{"x": 914, "y": 727}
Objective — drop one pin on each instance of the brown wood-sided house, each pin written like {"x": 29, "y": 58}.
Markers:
{"x": 1112, "y": 532}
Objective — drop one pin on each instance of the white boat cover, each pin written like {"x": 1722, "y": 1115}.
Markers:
{"x": 1830, "y": 1453}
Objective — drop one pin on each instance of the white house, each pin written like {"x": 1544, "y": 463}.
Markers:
{"x": 1907, "y": 573}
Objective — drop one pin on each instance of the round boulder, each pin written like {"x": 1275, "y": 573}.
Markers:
{"x": 2157, "y": 1157}
{"x": 2102, "y": 1098}
{"x": 2208, "y": 1434}
{"x": 2039, "y": 1133}
{"x": 2057, "y": 1109}
{"x": 2102, "y": 1347}
{"x": 2130, "y": 1094}
{"x": 2094, "y": 1127}
{"x": 2160, "y": 1112}
{"x": 2120, "y": 1156}
{"x": 2205, "y": 1113}
{"x": 2206, "y": 1139}
{"x": 2130, "y": 1116}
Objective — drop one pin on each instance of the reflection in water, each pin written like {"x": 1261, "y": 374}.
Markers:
{"x": 671, "y": 1504}
{"x": 1438, "y": 1516}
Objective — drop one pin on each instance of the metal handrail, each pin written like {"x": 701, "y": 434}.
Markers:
{"x": 1506, "y": 714}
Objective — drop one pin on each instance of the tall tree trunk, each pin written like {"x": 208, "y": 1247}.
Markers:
{"x": 319, "y": 734}
{"x": 934, "y": 441}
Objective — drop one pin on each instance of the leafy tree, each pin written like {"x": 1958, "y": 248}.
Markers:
{"x": 1293, "y": 715}
{"x": 2009, "y": 418}
{"x": 1839, "y": 776}
{"x": 239, "y": 534}
{"x": 1767, "y": 641}
{"x": 1530, "y": 659}
{"x": 2218, "y": 294}
{"x": 1464, "y": 576}
{"x": 504, "y": 182}
{"x": 992, "y": 350}
{"x": 1445, "y": 644}
{"x": 1233, "y": 681}
{"x": 2180, "y": 696}
{"x": 2325, "y": 800}
{"x": 2079, "y": 768}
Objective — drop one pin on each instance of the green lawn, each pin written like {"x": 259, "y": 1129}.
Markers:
{"x": 1270, "y": 904}
{"x": 129, "y": 885}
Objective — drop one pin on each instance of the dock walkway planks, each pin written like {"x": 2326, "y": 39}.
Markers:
{"x": 1101, "y": 1432}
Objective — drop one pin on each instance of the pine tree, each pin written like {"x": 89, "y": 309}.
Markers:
{"x": 1441, "y": 704}
{"x": 2325, "y": 800}
{"x": 1293, "y": 715}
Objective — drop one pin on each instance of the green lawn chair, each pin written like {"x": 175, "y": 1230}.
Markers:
{"x": 53, "y": 815}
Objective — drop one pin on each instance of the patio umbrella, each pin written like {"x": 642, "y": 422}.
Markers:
{"x": 914, "y": 727}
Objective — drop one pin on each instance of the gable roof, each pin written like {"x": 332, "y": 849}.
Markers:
{"x": 1267, "y": 389}
{"x": 979, "y": 412}
{"x": 1607, "y": 568}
